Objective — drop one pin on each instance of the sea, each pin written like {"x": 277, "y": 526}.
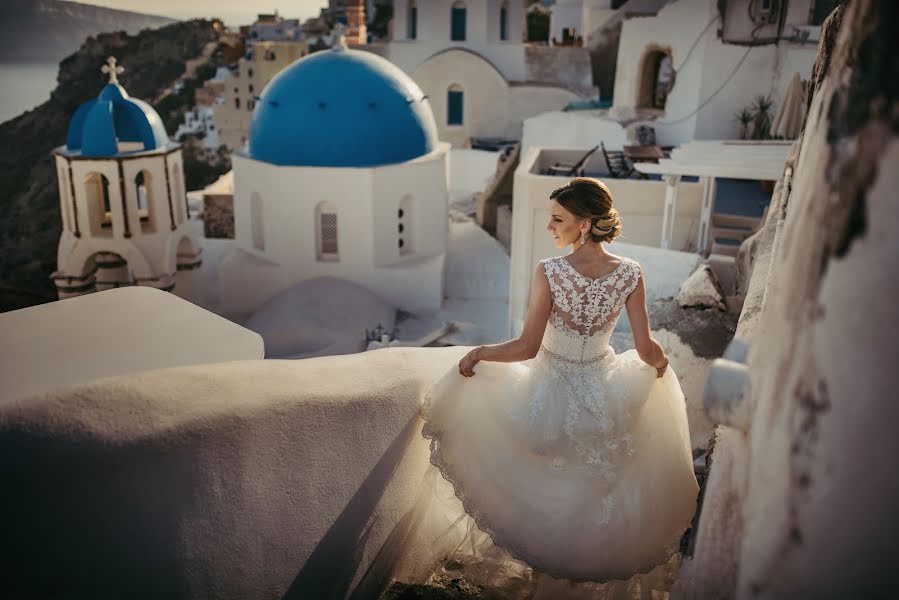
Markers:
{"x": 24, "y": 86}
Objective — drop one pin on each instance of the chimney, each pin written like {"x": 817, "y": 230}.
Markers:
{"x": 355, "y": 17}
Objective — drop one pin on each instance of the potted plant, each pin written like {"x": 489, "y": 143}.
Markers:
{"x": 745, "y": 118}
{"x": 761, "y": 117}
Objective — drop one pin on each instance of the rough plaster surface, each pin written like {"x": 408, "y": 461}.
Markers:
{"x": 319, "y": 316}
{"x": 701, "y": 290}
{"x": 814, "y": 481}
{"x": 126, "y": 330}
{"x": 252, "y": 479}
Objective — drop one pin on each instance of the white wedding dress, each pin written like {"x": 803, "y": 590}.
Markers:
{"x": 577, "y": 461}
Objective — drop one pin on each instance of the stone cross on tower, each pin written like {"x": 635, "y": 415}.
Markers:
{"x": 112, "y": 69}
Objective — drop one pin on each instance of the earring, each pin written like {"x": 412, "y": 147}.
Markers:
{"x": 583, "y": 241}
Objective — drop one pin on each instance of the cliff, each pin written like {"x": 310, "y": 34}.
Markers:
{"x": 29, "y": 194}
{"x": 47, "y": 30}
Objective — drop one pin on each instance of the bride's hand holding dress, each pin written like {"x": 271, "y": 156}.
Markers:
{"x": 574, "y": 458}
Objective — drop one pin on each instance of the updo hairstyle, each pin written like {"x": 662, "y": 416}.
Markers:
{"x": 588, "y": 198}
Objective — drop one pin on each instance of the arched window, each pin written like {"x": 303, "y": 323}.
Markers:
{"x": 256, "y": 222}
{"x": 326, "y": 232}
{"x": 455, "y": 104}
{"x": 140, "y": 182}
{"x": 143, "y": 193}
{"x": 656, "y": 79}
{"x": 99, "y": 207}
{"x": 504, "y": 21}
{"x": 405, "y": 226}
{"x": 237, "y": 103}
{"x": 458, "y": 16}
{"x": 412, "y": 23}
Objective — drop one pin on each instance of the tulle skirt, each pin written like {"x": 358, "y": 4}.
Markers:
{"x": 585, "y": 473}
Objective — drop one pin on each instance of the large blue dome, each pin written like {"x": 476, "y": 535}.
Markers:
{"x": 99, "y": 125}
{"x": 341, "y": 108}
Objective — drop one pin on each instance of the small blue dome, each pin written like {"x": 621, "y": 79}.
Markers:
{"x": 341, "y": 108}
{"x": 99, "y": 125}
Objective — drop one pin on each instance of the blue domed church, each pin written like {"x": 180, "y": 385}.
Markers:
{"x": 343, "y": 175}
{"x": 122, "y": 200}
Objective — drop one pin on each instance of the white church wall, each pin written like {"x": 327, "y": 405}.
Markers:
{"x": 280, "y": 477}
{"x": 148, "y": 246}
{"x": 485, "y": 95}
{"x": 419, "y": 187}
{"x": 482, "y": 35}
{"x": 491, "y": 107}
{"x": 290, "y": 196}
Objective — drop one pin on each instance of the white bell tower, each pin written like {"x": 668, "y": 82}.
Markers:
{"x": 122, "y": 197}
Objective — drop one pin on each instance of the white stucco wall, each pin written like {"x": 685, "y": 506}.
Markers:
{"x": 367, "y": 202}
{"x": 248, "y": 479}
{"x": 572, "y": 129}
{"x": 482, "y": 34}
{"x": 766, "y": 70}
{"x": 491, "y": 106}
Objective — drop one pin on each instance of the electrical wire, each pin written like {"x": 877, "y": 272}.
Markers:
{"x": 715, "y": 93}
{"x": 696, "y": 41}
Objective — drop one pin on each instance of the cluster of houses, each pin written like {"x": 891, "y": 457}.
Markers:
{"x": 347, "y": 161}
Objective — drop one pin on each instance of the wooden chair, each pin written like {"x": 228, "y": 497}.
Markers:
{"x": 618, "y": 164}
{"x": 575, "y": 170}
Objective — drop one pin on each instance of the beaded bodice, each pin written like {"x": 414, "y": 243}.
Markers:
{"x": 585, "y": 310}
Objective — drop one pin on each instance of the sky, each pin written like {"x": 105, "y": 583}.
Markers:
{"x": 233, "y": 12}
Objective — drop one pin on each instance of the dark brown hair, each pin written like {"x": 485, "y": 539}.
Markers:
{"x": 588, "y": 198}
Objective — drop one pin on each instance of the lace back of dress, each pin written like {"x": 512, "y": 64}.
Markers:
{"x": 586, "y": 307}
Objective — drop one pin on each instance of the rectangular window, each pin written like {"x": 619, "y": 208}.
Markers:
{"x": 458, "y": 25}
{"x": 503, "y": 33}
{"x": 413, "y": 23}
{"x": 329, "y": 234}
{"x": 454, "y": 107}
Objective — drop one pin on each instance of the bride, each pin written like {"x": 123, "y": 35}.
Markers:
{"x": 573, "y": 458}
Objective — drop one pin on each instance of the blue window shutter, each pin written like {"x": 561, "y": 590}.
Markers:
{"x": 458, "y": 25}
{"x": 454, "y": 104}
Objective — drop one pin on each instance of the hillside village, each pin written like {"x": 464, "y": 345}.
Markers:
{"x": 267, "y": 243}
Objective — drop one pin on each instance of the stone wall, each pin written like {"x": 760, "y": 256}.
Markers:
{"x": 567, "y": 67}
{"x": 218, "y": 216}
{"x": 800, "y": 501}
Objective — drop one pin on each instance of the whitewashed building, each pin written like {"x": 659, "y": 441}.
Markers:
{"x": 122, "y": 200}
{"x": 573, "y": 19}
{"x": 343, "y": 176}
{"x": 482, "y": 78}
{"x": 697, "y": 63}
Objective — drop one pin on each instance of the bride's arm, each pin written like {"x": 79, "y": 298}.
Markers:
{"x": 527, "y": 344}
{"x": 648, "y": 349}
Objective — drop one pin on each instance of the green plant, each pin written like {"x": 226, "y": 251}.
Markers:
{"x": 761, "y": 108}
{"x": 745, "y": 118}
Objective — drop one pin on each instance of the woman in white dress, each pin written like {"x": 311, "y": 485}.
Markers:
{"x": 574, "y": 458}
